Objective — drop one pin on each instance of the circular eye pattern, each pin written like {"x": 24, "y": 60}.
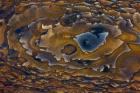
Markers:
{"x": 69, "y": 49}
{"x": 105, "y": 68}
{"x": 90, "y": 41}
{"x": 70, "y": 46}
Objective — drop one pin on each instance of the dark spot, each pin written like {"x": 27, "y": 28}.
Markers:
{"x": 69, "y": 49}
{"x": 96, "y": 30}
{"x": 86, "y": 41}
{"x": 12, "y": 54}
{"x": 87, "y": 79}
{"x": 26, "y": 71}
{"x": 89, "y": 1}
{"x": 4, "y": 45}
{"x": 69, "y": 19}
{"x": 121, "y": 10}
{"x": 105, "y": 68}
{"x": 1, "y": 23}
{"x": 125, "y": 25}
{"x": 8, "y": 83}
{"x": 7, "y": 13}
{"x": 37, "y": 59}
{"x": 20, "y": 31}
{"x": 45, "y": 57}
{"x": 83, "y": 62}
{"x": 45, "y": 32}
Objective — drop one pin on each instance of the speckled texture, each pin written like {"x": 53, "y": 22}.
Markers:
{"x": 42, "y": 49}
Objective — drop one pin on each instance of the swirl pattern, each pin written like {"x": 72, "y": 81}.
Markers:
{"x": 70, "y": 46}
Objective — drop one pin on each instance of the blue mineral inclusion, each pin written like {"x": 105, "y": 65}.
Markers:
{"x": 90, "y": 41}
{"x": 20, "y": 31}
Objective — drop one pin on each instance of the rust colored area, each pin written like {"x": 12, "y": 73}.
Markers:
{"x": 69, "y": 46}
